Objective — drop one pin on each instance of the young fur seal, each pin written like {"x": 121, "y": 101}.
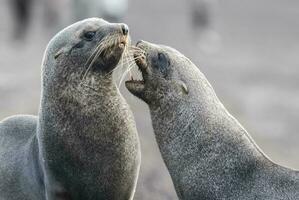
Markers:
{"x": 208, "y": 153}
{"x": 83, "y": 145}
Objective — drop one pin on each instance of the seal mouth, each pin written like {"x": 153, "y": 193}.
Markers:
{"x": 137, "y": 86}
{"x": 110, "y": 54}
{"x": 107, "y": 55}
{"x": 116, "y": 47}
{"x": 123, "y": 42}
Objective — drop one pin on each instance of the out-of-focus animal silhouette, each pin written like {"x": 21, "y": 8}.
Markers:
{"x": 22, "y": 12}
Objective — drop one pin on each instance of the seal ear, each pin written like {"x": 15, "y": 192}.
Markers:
{"x": 58, "y": 53}
{"x": 183, "y": 87}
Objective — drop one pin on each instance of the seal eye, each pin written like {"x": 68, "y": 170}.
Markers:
{"x": 161, "y": 63}
{"x": 89, "y": 35}
{"x": 161, "y": 57}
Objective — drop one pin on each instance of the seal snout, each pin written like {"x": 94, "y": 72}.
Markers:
{"x": 139, "y": 43}
{"x": 109, "y": 46}
{"x": 124, "y": 29}
{"x": 124, "y": 36}
{"x": 140, "y": 56}
{"x": 137, "y": 86}
{"x": 140, "y": 60}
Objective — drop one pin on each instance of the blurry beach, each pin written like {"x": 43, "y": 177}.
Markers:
{"x": 248, "y": 50}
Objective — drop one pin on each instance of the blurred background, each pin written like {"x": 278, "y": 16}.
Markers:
{"x": 249, "y": 51}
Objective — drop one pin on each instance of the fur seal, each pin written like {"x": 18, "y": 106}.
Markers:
{"x": 83, "y": 144}
{"x": 208, "y": 153}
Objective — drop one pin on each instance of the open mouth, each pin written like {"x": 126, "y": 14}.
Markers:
{"x": 134, "y": 85}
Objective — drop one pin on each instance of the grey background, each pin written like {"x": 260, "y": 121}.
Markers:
{"x": 253, "y": 66}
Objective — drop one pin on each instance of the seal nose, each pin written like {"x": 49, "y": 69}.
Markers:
{"x": 125, "y": 29}
{"x": 139, "y": 42}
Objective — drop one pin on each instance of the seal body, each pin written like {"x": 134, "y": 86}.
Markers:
{"x": 83, "y": 144}
{"x": 20, "y": 172}
{"x": 208, "y": 153}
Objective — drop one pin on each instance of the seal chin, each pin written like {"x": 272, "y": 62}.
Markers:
{"x": 136, "y": 87}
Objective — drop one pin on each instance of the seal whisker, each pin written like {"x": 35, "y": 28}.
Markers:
{"x": 129, "y": 54}
{"x": 93, "y": 55}
{"x": 135, "y": 49}
{"x": 114, "y": 41}
{"x": 130, "y": 58}
{"x": 128, "y": 62}
{"x": 124, "y": 75}
{"x": 103, "y": 40}
{"x": 130, "y": 67}
{"x": 122, "y": 62}
{"x": 107, "y": 43}
{"x": 99, "y": 49}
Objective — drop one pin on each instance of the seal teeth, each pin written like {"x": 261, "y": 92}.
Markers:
{"x": 132, "y": 79}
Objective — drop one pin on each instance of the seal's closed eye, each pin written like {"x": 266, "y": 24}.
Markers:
{"x": 161, "y": 62}
{"x": 89, "y": 36}
{"x": 161, "y": 56}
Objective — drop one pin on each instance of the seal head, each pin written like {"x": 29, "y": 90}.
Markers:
{"x": 162, "y": 71}
{"x": 84, "y": 53}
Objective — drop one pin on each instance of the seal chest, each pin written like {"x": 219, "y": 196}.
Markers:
{"x": 208, "y": 153}
{"x": 84, "y": 143}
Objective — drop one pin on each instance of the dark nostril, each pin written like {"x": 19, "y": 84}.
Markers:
{"x": 125, "y": 29}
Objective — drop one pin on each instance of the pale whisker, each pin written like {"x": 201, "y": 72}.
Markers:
{"x": 104, "y": 45}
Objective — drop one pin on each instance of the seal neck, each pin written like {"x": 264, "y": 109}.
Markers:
{"x": 200, "y": 138}
{"x": 75, "y": 136}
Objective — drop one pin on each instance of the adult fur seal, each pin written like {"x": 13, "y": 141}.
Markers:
{"x": 208, "y": 153}
{"x": 83, "y": 145}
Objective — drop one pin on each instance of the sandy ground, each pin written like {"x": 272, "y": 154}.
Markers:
{"x": 251, "y": 59}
